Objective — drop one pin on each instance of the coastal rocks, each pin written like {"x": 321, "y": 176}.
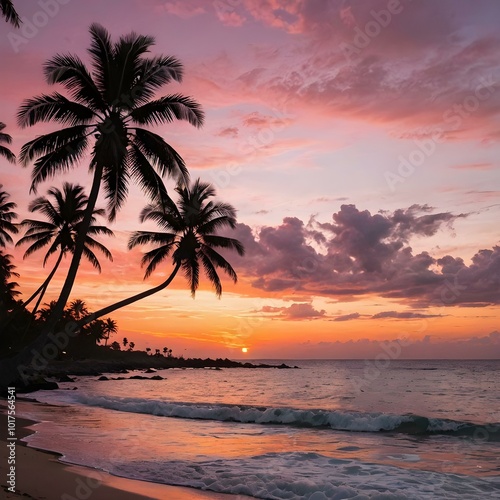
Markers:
{"x": 35, "y": 384}
{"x": 133, "y": 377}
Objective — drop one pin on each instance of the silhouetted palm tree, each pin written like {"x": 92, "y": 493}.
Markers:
{"x": 6, "y": 218}
{"x": 9, "y": 12}
{"x": 125, "y": 342}
{"x": 6, "y": 139}
{"x": 131, "y": 346}
{"x": 189, "y": 237}
{"x": 78, "y": 309}
{"x": 61, "y": 231}
{"x": 110, "y": 327}
{"x": 106, "y": 112}
{"x": 165, "y": 350}
{"x": 8, "y": 293}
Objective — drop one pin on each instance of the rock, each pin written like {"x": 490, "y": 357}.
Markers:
{"x": 156, "y": 377}
{"x": 150, "y": 370}
{"x": 65, "y": 378}
{"x": 103, "y": 377}
{"x": 36, "y": 384}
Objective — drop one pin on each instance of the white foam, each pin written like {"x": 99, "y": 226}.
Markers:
{"x": 309, "y": 476}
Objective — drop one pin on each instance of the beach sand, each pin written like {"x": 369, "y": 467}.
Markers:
{"x": 40, "y": 475}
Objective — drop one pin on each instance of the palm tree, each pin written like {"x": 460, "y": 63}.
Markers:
{"x": 6, "y": 218}
{"x": 189, "y": 238}
{"x": 110, "y": 327}
{"x": 107, "y": 108}
{"x": 6, "y": 139}
{"x": 131, "y": 346}
{"x": 8, "y": 293}
{"x": 78, "y": 309}
{"x": 125, "y": 342}
{"x": 165, "y": 350}
{"x": 148, "y": 350}
{"x": 11, "y": 16}
{"x": 65, "y": 218}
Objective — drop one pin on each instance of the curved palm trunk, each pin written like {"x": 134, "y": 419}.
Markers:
{"x": 10, "y": 369}
{"x": 130, "y": 300}
{"x": 44, "y": 285}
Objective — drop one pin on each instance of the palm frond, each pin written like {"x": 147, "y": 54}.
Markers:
{"x": 59, "y": 160}
{"x": 56, "y": 107}
{"x": 166, "y": 109}
{"x": 70, "y": 71}
{"x": 163, "y": 156}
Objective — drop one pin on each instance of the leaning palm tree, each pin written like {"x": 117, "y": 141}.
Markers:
{"x": 104, "y": 117}
{"x": 6, "y": 218}
{"x": 60, "y": 231}
{"x": 188, "y": 236}
{"x": 9, "y": 12}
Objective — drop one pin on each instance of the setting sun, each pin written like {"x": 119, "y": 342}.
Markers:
{"x": 244, "y": 349}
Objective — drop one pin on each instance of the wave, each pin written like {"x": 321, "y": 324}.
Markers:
{"x": 311, "y": 476}
{"x": 332, "y": 419}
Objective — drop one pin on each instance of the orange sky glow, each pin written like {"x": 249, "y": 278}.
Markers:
{"x": 362, "y": 155}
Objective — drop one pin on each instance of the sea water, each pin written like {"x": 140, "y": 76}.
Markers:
{"x": 329, "y": 430}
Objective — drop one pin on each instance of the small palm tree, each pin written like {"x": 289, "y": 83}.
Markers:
{"x": 188, "y": 237}
{"x": 61, "y": 230}
{"x": 109, "y": 327}
{"x": 77, "y": 309}
{"x": 109, "y": 107}
{"x": 6, "y": 217}
{"x": 9, "y": 13}
{"x": 165, "y": 350}
{"x": 125, "y": 342}
{"x": 131, "y": 346}
{"x": 148, "y": 349}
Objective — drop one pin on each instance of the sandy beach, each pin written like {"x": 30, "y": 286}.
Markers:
{"x": 40, "y": 475}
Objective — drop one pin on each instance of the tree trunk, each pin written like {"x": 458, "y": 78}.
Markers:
{"x": 44, "y": 286}
{"x": 10, "y": 367}
{"x": 130, "y": 300}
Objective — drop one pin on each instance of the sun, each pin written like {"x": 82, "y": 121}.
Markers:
{"x": 244, "y": 349}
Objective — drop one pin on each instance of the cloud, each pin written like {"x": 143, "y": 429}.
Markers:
{"x": 228, "y": 132}
{"x": 404, "y": 315}
{"x": 295, "y": 312}
{"x": 258, "y": 120}
{"x": 362, "y": 254}
{"x": 347, "y": 317}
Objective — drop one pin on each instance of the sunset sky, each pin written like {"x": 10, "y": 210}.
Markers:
{"x": 359, "y": 142}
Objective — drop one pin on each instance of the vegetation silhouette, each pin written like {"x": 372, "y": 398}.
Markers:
{"x": 60, "y": 231}
{"x": 189, "y": 237}
{"x": 105, "y": 116}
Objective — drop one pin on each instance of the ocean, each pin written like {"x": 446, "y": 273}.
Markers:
{"x": 329, "y": 430}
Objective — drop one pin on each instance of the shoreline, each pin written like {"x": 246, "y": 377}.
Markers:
{"x": 41, "y": 475}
